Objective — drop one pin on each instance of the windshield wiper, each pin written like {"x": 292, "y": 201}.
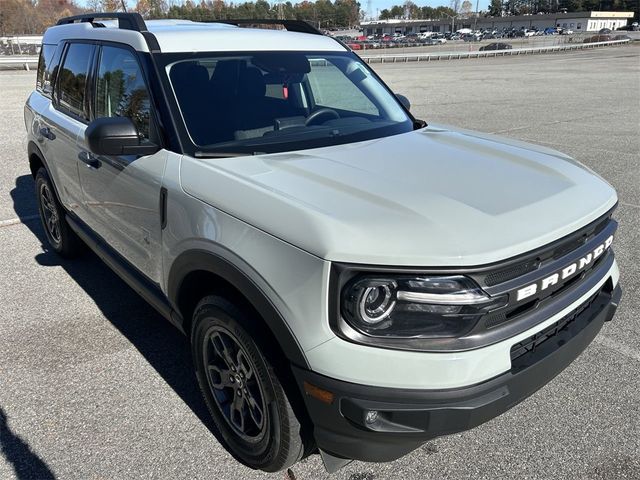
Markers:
{"x": 215, "y": 154}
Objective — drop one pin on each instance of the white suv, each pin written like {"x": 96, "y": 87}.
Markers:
{"x": 353, "y": 282}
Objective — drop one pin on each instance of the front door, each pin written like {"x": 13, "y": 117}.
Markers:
{"x": 122, "y": 193}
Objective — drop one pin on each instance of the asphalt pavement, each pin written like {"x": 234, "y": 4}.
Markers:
{"x": 95, "y": 385}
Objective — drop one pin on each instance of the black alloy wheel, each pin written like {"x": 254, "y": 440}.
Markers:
{"x": 60, "y": 237}
{"x": 233, "y": 381}
{"x": 252, "y": 413}
{"x": 50, "y": 215}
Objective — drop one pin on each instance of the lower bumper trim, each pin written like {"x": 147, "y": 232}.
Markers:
{"x": 405, "y": 419}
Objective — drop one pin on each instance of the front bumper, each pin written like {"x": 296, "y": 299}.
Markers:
{"x": 406, "y": 418}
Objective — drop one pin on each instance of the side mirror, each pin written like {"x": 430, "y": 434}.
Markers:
{"x": 116, "y": 136}
{"x": 404, "y": 101}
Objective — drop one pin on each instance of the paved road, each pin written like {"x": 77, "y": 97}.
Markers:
{"x": 94, "y": 384}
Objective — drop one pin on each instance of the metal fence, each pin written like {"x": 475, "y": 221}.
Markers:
{"x": 417, "y": 57}
{"x": 18, "y": 61}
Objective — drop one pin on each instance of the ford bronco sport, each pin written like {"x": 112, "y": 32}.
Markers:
{"x": 353, "y": 281}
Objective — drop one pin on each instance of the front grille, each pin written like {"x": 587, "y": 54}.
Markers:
{"x": 534, "y": 260}
{"x": 528, "y": 346}
{"x": 514, "y": 311}
{"x": 531, "y": 268}
{"x": 510, "y": 273}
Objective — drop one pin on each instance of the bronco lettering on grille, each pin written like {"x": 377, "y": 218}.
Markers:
{"x": 564, "y": 273}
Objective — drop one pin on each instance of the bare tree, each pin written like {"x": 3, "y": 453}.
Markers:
{"x": 94, "y": 5}
{"x": 111, "y": 5}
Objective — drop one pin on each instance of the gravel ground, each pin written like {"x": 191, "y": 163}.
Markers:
{"x": 94, "y": 384}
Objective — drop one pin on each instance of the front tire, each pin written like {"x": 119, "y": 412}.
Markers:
{"x": 61, "y": 238}
{"x": 248, "y": 403}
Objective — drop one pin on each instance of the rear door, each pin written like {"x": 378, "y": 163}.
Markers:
{"x": 64, "y": 118}
{"x": 122, "y": 193}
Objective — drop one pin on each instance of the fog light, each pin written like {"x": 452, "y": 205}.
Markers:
{"x": 371, "y": 417}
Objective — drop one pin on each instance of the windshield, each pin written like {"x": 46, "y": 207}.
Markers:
{"x": 280, "y": 101}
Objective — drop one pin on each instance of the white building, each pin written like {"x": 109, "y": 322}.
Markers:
{"x": 576, "y": 21}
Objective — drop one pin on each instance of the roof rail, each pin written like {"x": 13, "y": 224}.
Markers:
{"x": 290, "y": 25}
{"x": 126, "y": 21}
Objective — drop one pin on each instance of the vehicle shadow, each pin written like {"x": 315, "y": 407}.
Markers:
{"x": 23, "y": 196}
{"x": 161, "y": 344}
{"x": 26, "y": 463}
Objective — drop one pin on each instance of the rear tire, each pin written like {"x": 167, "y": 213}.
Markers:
{"x": 249, "y": 406}
{"x": 60, "y": 237}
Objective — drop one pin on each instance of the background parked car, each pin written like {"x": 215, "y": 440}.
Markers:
{"x": 472, "y": 37}
{"x": 598, "y": 38}
{"x": 435, "y": 41}
{"x": 496, "y": 46}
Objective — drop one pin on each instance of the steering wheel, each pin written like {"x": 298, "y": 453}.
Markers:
{"x": 313, "y": 119}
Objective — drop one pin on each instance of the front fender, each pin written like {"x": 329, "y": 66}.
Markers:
{"x": 220, "y": 265}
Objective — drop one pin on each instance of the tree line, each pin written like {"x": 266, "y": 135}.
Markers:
{"x": 323, "y": 14}
{"x": 410, "y": 10}
{"x": 19, "y": 17}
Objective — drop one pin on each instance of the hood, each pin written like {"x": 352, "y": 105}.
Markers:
{"x": 432, "y": 197}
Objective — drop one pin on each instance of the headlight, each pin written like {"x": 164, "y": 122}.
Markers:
{"x": 415, "y": 307}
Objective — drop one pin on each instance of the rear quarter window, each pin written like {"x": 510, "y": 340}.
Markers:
{"x": 47, "y": 64}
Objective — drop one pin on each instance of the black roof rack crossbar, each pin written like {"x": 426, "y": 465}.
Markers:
{"x": 290, "y": 25}
{"x": 126, "y": 21}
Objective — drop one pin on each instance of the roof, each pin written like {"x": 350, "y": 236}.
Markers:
{"x": 195, "y": 36}
{"x": 188, "y": 36}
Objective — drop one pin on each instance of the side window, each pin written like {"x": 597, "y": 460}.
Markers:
{"x": 330, "y": 88}
{"x": 72, "y": 79}
{"x": 120, "y": 88}
{"x": 48, "y": 61}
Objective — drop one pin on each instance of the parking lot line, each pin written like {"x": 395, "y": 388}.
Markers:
{"x": 621, "y": 348}
{"x": 629, "y": 204}
{"x": 17, "y": 221}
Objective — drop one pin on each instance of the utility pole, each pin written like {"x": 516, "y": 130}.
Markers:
{"x": 475, "y": 23}
{"x": 453, "y": 21}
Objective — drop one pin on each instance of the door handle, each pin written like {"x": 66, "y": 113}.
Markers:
{"x": 89, "y": 159}
{"x": 47, "y": 133}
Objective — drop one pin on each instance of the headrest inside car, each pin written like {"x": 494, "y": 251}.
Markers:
{"x": 252, "y": 83}
{"x": 282, "y": 62}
